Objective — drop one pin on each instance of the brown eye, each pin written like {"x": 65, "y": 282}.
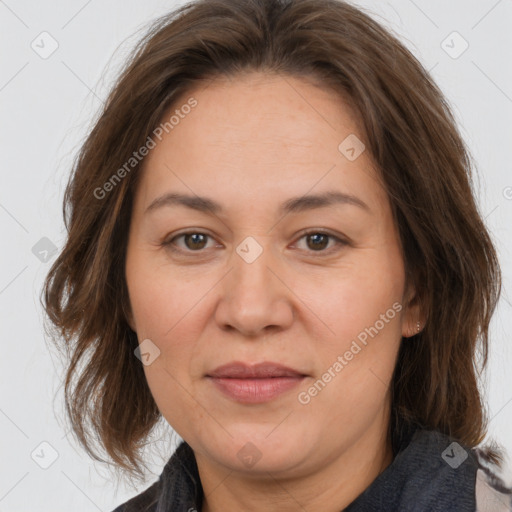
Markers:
{"x": 318, "y": 241}
{"x": 193, "y": 241}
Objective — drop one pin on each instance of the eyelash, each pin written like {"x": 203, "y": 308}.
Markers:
{"x": 339, "y": 242}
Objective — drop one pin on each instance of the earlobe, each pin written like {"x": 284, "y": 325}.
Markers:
{"x": 413, "y": 322}
{"x": 409, "y": 332}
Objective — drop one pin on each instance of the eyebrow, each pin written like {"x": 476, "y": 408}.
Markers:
{"x": 293, "y": 205}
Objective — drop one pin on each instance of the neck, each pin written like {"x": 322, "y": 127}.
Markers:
{"x": 330, "y": 487}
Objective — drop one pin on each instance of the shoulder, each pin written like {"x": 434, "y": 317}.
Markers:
{"x": 492, "y": 493}
{"x": 143, "y": 502}
{"x": 178, "y": 487}
{"x": 490, "y": 485}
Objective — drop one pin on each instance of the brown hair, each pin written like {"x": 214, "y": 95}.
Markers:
{"x": 424, "y": 165}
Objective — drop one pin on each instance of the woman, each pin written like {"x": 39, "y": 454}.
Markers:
{"x": 273, "y": 245}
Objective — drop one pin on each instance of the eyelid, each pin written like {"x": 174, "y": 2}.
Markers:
{"x": 340, "y": 241}
{"x": 169, "y": 242}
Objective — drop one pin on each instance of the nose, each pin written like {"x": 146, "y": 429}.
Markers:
{"x": 255, "y": 296}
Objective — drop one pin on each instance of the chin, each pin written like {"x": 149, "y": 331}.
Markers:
{"x": 260, "y": 449}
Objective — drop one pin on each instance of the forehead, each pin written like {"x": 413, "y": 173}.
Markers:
{"x": 256, "y": 137}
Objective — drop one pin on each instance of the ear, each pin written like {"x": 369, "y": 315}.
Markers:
{"x": 413, "y": 320}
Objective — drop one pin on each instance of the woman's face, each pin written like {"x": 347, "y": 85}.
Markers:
{"x": 275, "y": 272}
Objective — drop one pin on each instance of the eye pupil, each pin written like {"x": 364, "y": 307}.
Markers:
{"x": 316, "y": 238}
{"x": 196, "y": 238}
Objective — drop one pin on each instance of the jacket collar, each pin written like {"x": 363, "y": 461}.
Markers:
{"x": 429, "y": 472}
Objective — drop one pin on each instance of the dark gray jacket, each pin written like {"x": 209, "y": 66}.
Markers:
{"x": 430, "y": 473}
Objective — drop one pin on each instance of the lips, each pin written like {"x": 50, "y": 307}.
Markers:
{"x": 254, "y": 384}
{"x": 266, "y": 370}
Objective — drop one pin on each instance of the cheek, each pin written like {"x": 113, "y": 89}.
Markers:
{"x": 159, "y": 298}
{"x": 170, "y": 306}
{"x": 159, "y": 306}
{"x": 356, "y": 367}
{"x": 165, "y": 314}
{"x": 364, "y": 293}
{"x": 364, "y": 337}
{"x": 362, "y": 308}
{"x": 163, "y": 308}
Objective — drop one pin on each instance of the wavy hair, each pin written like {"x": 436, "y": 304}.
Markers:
{"x": 423, "y": 164}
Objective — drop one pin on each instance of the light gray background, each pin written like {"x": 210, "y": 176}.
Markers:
{"x": 46, "y": 108}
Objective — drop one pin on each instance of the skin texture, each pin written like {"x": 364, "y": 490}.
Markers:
{"x": 251, "y": 143}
